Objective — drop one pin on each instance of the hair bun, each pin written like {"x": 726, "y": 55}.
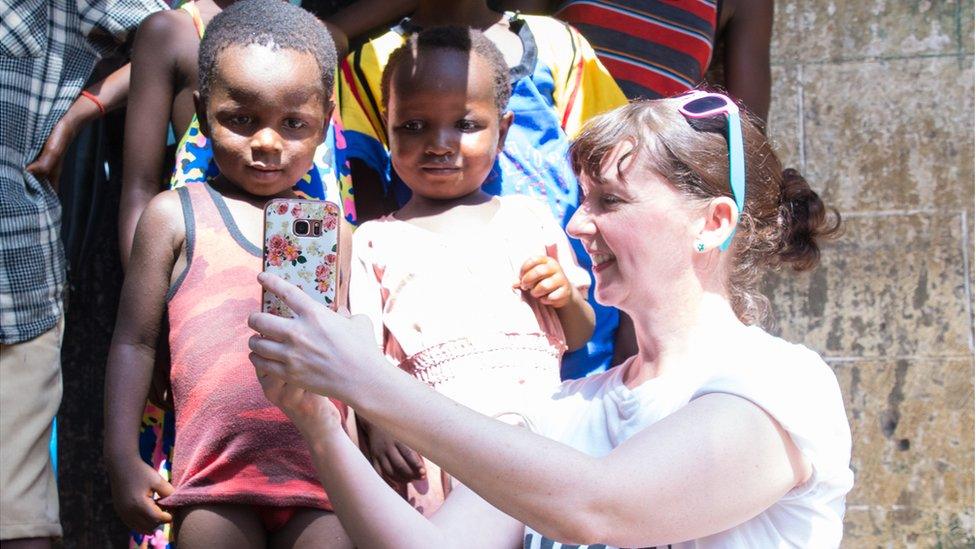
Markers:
{"x": 805, "y": 221}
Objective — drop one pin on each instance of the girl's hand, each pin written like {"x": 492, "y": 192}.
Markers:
{"x": 319, "y": 350}
{"x": 133, "y": 484}
{"x": 392, "y": 459}
{"x": 544, "y": 279}
{"x": 307, "y": 410}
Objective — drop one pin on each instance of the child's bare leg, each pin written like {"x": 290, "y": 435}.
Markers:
{"x": 311, "y": 528}
{"x": 217, "y": 526}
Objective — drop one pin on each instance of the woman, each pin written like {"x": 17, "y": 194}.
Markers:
{"x": 715, "y": 432}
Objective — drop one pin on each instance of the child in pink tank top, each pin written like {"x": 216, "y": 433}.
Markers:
{"x": 242, "y": 475}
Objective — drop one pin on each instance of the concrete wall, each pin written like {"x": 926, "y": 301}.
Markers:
{"x": 873, "y": 102}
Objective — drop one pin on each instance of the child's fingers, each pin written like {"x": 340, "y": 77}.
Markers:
{"x": 538, "y": 272}
{"x": 162, "y": 487}
{"x": 399, "y": 468}
{"x": 413, "y": 460}
{"x": 546, "y": 286}
{"x": 555, "y": 297}
{"x": 530, "y": 263}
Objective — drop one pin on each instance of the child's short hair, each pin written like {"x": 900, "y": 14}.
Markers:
{"x": 452, "y": 38}
{"x": 272, "y": 23}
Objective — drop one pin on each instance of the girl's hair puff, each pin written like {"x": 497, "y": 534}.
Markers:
{"x": 784, "y": 219}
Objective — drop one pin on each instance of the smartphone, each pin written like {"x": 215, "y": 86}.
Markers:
{"x": 301, "y": 245}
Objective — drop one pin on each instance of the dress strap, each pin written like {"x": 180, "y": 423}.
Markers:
{"x": 192, "y": 9}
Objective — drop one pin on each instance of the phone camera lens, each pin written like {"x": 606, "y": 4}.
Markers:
{"x": 302, "y": 227}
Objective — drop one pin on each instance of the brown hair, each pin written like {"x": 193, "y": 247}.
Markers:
{"x": 783, "y": 217}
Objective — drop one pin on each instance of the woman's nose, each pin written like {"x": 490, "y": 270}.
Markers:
{"x": 581, "y": 224}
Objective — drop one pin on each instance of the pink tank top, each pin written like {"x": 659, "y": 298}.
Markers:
{"x": 232, "y": 444}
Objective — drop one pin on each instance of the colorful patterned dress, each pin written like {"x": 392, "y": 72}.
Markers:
{"x": 557, "y": 86}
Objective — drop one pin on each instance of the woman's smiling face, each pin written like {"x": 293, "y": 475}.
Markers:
{"x": 636, "y": 226}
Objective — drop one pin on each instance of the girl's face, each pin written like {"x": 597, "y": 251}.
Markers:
{"x": 444, "y": 126}
{"x": 637, "y": 231}
{"x": 266, "y": 114}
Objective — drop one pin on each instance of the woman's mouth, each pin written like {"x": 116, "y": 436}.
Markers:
{"x": 601, "y": 261}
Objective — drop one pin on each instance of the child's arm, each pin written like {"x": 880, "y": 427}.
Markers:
{"x": 544, "y": 279}
{"x": 557, "y": 280}
{"x": 105, "y": 95}
{"x": 161, "y": 38}
{"x": 358, "y": 18}
{"x": 392, "y": 460}
{"x": 746, "y": 32}
{"x": 158, "y": 242}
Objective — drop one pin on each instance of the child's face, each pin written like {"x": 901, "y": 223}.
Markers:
{"x": 444, "y": 125}
{"x": 266, "y": 114}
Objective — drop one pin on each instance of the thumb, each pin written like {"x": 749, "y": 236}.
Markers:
{"x": 162, "y": 487}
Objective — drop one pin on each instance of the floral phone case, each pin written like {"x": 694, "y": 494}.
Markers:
{"x": 301, "y": 243}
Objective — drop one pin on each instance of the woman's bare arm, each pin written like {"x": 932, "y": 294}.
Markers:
{"x": 709, "y": 466}
{"x": 372, "y": 514}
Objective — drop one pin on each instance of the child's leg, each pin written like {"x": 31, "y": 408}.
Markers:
{"x": 311, "y": 528}
{"x": 222, "y": 525}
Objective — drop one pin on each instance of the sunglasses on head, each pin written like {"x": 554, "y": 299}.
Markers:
{"x": 699, "y": 105}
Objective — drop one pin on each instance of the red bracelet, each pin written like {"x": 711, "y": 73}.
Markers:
{"x": 91, "y": 96}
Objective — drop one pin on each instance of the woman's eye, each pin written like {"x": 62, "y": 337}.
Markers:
{"x": 609, "y": 199}
{"x": 294, "y": 124}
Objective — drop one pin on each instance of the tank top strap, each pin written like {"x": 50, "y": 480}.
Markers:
{"x": 192, "y": 9}
{"x": 214, "y": 221}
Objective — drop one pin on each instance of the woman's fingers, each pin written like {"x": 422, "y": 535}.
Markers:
{"x": 298, "y": 301}
{"x": 271, "y": 326}
{"x": 268, "y": 348}
{"x": 266, "y": 368}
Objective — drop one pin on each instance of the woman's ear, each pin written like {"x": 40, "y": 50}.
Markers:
{"x": 717, "y": 224}
{"x": 503, "y": 125}
{"x": 201, "y": 108}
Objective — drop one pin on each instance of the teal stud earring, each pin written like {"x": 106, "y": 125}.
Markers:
{"x": 699, "y": 246}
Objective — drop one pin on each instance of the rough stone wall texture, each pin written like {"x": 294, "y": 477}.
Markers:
{"x": 873, "y": 102}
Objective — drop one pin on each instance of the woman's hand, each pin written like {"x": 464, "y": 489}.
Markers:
{"x": 307, "y": 410}
{"x": 318, "y": 350}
